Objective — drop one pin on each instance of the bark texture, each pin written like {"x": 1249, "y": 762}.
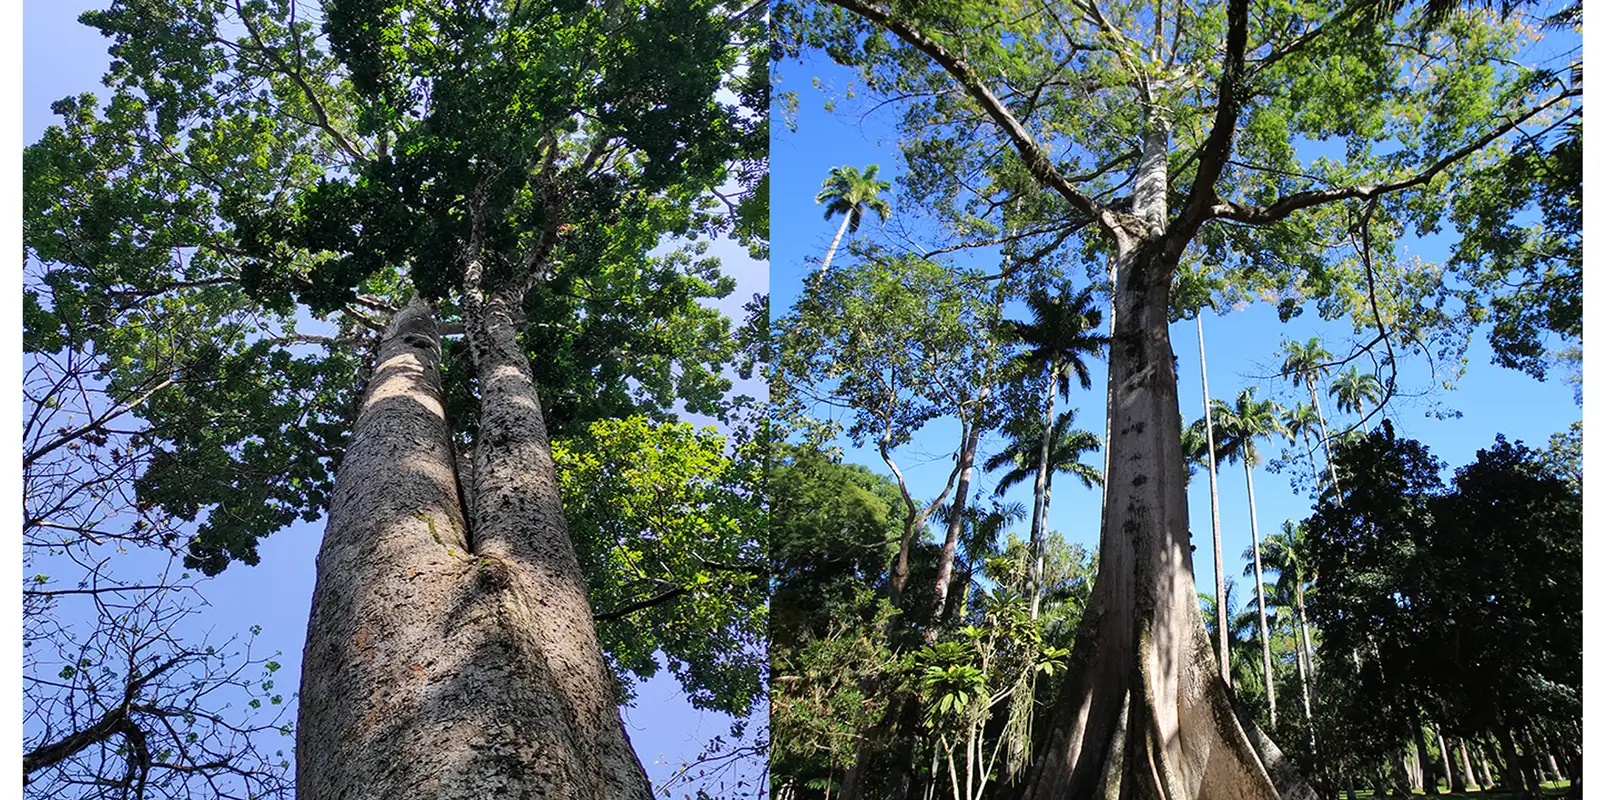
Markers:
{"x": 443, "y": 661}
{"x": 1145, "y": 713}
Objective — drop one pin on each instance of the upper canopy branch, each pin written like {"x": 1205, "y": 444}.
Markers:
{"x": 1261, "y": 215}
{"x": 1214, "y": 152}
{"x": 1033, "y": 156}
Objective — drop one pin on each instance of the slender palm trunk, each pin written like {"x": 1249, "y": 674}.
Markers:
{"x": 1444, "y": 761}
{"x": 834, "y": 246}
{"x": 1305, "y": 639}
{"x": 1041, "y": 480}
{"x": 1225, "y": 664}
{"x": 450, "y": 657}
{"x": 1261, "y": 592}
{"x": 1464, "y": 762}
{"x": 1305, "y": 679}
{"x": 1327, "y": 441}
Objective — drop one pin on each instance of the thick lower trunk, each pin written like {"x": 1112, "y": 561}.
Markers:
{"x": 1144, "y": 712}
{"x": 441, "y": 664}
{"x": 1261, "y": 593}
{"x": 1444, "y": 761}
{"x": 1216, "y": 513}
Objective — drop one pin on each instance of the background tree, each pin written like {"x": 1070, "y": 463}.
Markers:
{"x": 1436, "y": 586}
{"x": 1352, "y": 390}
{"x": 1059, "y": 336}
{"x": 850, "y": 194}
{"x": 1241, "y": 424}
{"x": 1304, "y": 364}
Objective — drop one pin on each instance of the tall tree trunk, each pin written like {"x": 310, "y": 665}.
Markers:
{"x": 1464, "y": 773}
{"x": 1427, "y": 776}
{"x": 1305, "y": 680}
{"x": 445, "y": 660}
{"x": 1512, "y": 774}
{"x": 1444, "y": 760}
{"x": 1144, "y": 711}
{"x": 1216, "y": 513}
{"x": 1041, "y": 482}
{"x": 958, "y": 507}
{"x": 1305, "y": 638}
{"x": 1261, "y": 591}
{"x": 834, "y": 246}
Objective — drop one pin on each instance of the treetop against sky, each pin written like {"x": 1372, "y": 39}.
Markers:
{"x": 944, "y": 162}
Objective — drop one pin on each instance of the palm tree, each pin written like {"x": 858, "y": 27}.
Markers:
{"x": 1239, "y": 624}
{"x": 1352, "y": 390}
{"x": 1281, "y": 555}
{"x": 850, "y": 193}
{"x": 1300, "y": 424}
{"x": 980, "y": 539}
{"x": 1304, "y": 364}
{"x": 1063, "y": 456}
{"x": 1210, "y": 440}
{"x": 1057, "y": 341}
{"x": 1242, "y": 423}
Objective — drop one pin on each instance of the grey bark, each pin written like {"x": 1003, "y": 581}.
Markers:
{"x": 1261, "y": 592}
{"x": 440, "y": 665}
{"x": 1322, "y": 422}
{"x": 1144, "y": 711}
{"x": 1444, "y": 762}
{"x": 1216, "y": 513}
{"x": 1041, "y": 484}
{"x": 958, "y": 507}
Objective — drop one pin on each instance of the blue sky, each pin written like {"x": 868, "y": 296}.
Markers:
{"x": 1241, "y": 347}
{"x": 63, "y": 58}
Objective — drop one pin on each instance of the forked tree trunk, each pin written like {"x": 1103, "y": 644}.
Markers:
{"x": 444, "y": 663}
{"x": 958, "y": 509}
{"x": 1144, "y": 712}
{"x": 1216, "y": 512}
